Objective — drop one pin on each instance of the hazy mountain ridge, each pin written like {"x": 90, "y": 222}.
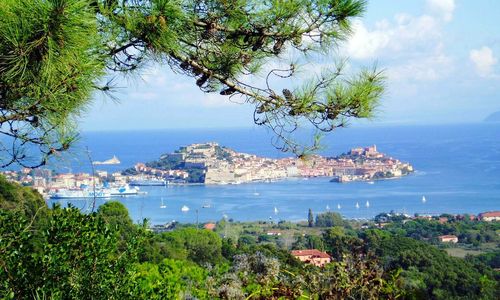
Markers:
{"x": 493, "y": 118}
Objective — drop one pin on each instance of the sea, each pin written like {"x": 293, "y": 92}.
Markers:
{"x": 457, "y": 171}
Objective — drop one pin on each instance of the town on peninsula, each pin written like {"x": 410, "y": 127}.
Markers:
{"x": 213, "y": 164}
{"x": 210, "y": 163}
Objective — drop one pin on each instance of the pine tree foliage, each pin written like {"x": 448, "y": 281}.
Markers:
{"x": 54, "y": 54}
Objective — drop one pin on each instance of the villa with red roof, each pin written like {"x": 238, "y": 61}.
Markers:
{"x": 448, "y": 238}
{"x": 312, "y": 256}
{"x": 490, "y": 216}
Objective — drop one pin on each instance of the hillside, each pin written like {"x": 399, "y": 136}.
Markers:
{"x": 493, "y": 118}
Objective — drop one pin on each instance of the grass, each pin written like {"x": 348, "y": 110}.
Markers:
{"x": 461, "y": 252}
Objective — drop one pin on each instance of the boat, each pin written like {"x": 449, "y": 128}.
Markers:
{"x": 125, "y": 190}
{"x": 148, "y": 182}
{"x": 423, "y": 199}
{"x": 112, "y": 161}
{"x": 327, "y": 207}
{"x": 338, "y": 206}
{"x": 184, "y": 208}
{"x": 275, "y": 210}
{"x": 357, "y": 204}
{"x": 367, "y": 204}
{"x": 371, "y": 182}
{"x": 206, "y": 205}
{"x": 79, "y": 194}
{"x": 162, "y": 205}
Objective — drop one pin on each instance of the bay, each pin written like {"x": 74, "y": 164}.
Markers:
{"x": 457, "y": 170}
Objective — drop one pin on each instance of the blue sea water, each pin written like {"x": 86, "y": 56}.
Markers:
{"x": 457, "y": 170}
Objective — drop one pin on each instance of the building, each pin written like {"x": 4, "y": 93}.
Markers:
{"x": 448, "y": 239}
{"x": 356, "y": 151}
{"x": 312, "y": 256}
{"x": 274, "y": 233}
{"x": 490, "y": 216}
{"x": 209, "y": 226}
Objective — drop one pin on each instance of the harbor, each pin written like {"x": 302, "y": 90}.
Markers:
{"x": 290, "y": 200}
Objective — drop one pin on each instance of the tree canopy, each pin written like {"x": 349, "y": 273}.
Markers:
{"x": 55, "y": 54}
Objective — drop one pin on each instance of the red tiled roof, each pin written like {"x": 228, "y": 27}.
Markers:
{"x": 209, "y": 226}
{"x": 490, "y": 214}
{"x": 447, "y": 236}
{"x": 310, "y": 252}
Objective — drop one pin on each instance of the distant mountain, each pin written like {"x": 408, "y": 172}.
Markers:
{"x": 493, "y": 118}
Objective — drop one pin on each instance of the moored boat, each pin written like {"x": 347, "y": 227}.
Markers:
{"x": 123, "y": 191}
{"x": 79, "y": 194}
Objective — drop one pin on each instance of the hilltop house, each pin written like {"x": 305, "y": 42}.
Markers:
{"x": 312, "y": 256}
{"x": 448, "y": 239}
{"x": 490, "y": 216}
{"x": 209, "y": 226}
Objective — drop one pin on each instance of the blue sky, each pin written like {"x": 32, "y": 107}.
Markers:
{"x": 441, "y": 58}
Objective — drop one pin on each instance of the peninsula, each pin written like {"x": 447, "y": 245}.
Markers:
{"x": 210, "y": 163}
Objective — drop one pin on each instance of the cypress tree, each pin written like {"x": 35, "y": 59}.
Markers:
{"x": 310, "y": 218}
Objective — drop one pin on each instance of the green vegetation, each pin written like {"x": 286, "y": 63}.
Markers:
{"x": 475, "y": 234}
{"x": 329, "y": 219}
{"x": 55, "y": 54}
{"x": 70, "y": 255}
{"x": 310, "y": 218}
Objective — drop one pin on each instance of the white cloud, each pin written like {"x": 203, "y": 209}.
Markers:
{"x": 424, "y": 69}
{"x": 366, "y": 44}
{"x": 406, "y": 32}
{"x": 443, "y": 8}
{"x": 410, "y": 47}
{"x": 483, "y": 60}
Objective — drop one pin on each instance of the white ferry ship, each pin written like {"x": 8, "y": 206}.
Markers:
{"x": 79, "y": 194}
{"x": 112, "y": 161}
{"x": 122, "y": 191}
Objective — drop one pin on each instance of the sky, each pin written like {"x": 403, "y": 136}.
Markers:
{"x": 441, "y": 59}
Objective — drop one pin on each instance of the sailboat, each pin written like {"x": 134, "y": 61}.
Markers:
{"x": 338, "y": 206}
{"x": 357, "y": 204}
{"x": 327, "y": 207}
{"x": 275, "y": 210}
{"x": 185, "y": 208}
{"x": 367, "y": 204}
{"x": 255, "y": 193}
{"x": 162, "y": 205}
{"x": 423, "y": 199}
